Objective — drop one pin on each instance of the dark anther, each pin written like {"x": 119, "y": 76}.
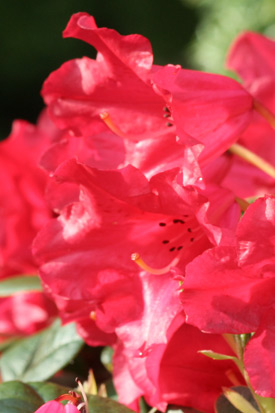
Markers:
{"x": 192, "y": 239}
{"x": 180, "y": 248}
{"x": 189, "y": 229}
{"x": 166, "y": 115}
{"x": 165, "y": 241}
{"x": 166, "y": 109}
{"x": 162, "y": 224}
{"x": 169, "y": 124}
{"x": 172, "y": 249}
{"x": 178, "y": 221}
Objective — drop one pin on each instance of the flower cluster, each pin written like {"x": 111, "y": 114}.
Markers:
{"x": 130, "y": 192}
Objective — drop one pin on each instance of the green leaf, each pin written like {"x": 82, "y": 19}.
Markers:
{"x": 19, "y": 284}
{"x": 40, "y": 356}
{"x": 104, "y": 405}
{"x": 48, "y": 391}
{"x": 223, "y": 405}
{"x": 216, "y": 356}
{"x": 17, "y": 397}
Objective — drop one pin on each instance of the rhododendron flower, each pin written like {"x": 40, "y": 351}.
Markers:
{"x": 25, "y": 313}
{"x": 118, "y": 89}
{"x": 117, "y": 82}
{"x": 55, "y": 407}
{"x": 156, "y": 356}
{"x": 252, "y": 57}
{"x": 23, "y": 208}
{"x": 175, "y": 372}
{"x": 231, "y": 290}
{"x": 105, "y": 217}
{"x": 23, "y": 212}
{"x": 209, "y": 111}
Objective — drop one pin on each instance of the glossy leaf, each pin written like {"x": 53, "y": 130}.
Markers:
{"x": 99, "y": 405}
{"x": 48, "y": 391}
{"x": 38, "y": 357}
{"x": 17, "y": 397}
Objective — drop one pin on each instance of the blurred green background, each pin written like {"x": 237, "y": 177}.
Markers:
{"x": 193, "y": 33}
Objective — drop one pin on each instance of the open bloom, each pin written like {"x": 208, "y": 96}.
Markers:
{"x": 209, "y": 111}
{"x": 117, "y": 82}
{"x": 165, "y": 117}
{"x": 232, "y": 290}
{"x": 106, "y": 216}
{"x": 175, "y": 372}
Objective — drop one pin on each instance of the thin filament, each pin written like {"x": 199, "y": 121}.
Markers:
{"x": 252, "y": 158}
{"x": 264, "y": 112}
{"x": 112, "y": 126}
{"x": 158, "y": 271}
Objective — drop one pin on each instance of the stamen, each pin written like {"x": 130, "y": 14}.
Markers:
{"x": 252, "y": 158}
{"x": 113, "y": 127}
{"x": 85, "y": 400}
{"x": 162, "y": 224}
{"x": 264, "y": 112}
{"x": 158, "y": 271}
{"x": 178, "y": 221}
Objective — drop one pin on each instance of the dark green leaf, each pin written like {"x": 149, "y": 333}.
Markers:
{"x": 103, "y": 405}
{"x": 17, "y": 397}
{"x": 19, "y": 284}
{"x": 48, "y": 391}
{"x": 38, "y": 357}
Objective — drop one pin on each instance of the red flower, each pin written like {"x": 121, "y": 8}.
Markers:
{"x": 25, "y": 313}
{"x": 173, "y": 372}
{"x": 23, "y": 213}
{"x": 104, "y": 217}
{"x": 252, "y": 57}
{"x": 23, "y": 209}
{"x": 117, "y": 82}
{"x": 209, "y": 111}
{"x": 232, "y": 290}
